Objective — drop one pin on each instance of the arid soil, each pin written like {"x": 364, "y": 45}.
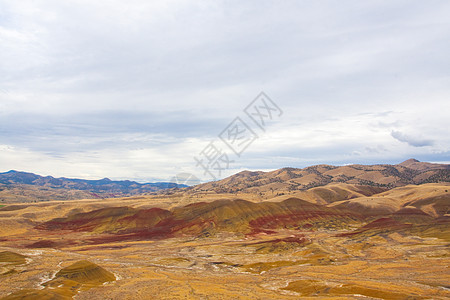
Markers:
{"x": 228, "y": 249}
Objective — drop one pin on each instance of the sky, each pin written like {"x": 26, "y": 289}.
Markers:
{"x": 145, "y": 90}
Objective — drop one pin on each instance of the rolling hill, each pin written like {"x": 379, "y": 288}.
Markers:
{"x": 204, "y": 218}
{"x": 431, "y": 198}
{"x": 288, "y": 180}
{"x": 349, "y": 240}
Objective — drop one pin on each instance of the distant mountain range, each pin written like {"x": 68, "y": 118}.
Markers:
{"x": 291, "y": 180}
{"x": 21, "y": 185}
{"x": 320, "y": 184}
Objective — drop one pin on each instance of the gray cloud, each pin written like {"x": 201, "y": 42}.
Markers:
{"x": 412, "y": 141}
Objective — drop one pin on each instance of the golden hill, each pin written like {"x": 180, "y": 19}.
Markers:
{"x": 338, "y": 182}
{"x": 287, "y": 180}
{"x": 12, "y": 258}
{"x": 239, "y": 216}
{"x": 431, "y": 198}
{"x": 86, "y": 272}
{"x": 80, "y": 276}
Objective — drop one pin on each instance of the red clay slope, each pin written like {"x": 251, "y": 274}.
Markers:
{"x": 200, "y": 218}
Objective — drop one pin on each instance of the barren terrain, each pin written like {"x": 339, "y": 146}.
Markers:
{"x": 387, "y": 245}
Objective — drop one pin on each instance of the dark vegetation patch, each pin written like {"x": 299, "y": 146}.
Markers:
{"x": 12, "y": 207}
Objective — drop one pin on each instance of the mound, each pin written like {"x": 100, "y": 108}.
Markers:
{"x": 410, "y": 211}
{"x": 332, "y": 192}
{"x": 314, "y": 288}
{"x": 281, "y": 244}
{"x": 104, "y": 220}
{"x": 382, "y": 224}
{"x": 86, "y": 272}
{"x": 143, "y": 219}
{"x": 43, "y": 244}
{"x": 369, "y": 206}
{"x": 28, "y": 294}
{"x": 422, "y": 166}
{"x": 81, "y": 275}
{"x": 12, "y": 258}
{"x": 432, "y": 199}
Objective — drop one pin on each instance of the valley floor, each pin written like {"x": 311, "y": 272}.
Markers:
{"x": 375, "y": 263}
{"x": 228, "y": 266}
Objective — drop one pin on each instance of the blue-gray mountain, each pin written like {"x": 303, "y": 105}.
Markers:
{"x": 15, "y": 182}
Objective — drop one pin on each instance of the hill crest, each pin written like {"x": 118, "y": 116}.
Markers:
{"x": 21, "y": 186}
{"x": 288, "y": 180}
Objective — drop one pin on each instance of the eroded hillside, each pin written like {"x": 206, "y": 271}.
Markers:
{"x": 344, "y": 241}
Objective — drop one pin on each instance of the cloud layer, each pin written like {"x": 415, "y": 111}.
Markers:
{"x": 412, "y": 141}
{"x": 135, "y": 90}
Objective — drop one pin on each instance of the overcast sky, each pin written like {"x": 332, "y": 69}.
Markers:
{"x": 135, "y": 89}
